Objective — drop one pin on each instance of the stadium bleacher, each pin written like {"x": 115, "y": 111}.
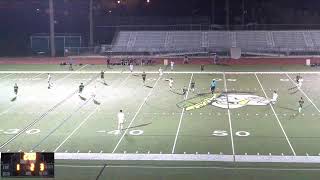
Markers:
{"x": 177, "y": 41}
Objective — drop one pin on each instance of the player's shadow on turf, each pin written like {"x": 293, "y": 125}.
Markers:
{"x": 175, "y": 92}
{"x": 287, "y": 108}
{"x": 141, "y": 125}
{"x": 82, "y": 98}
{"x": 96, "y": 102}
{"x": 294, "y": 87}
{"x": 104, "y": 83}
{"x": 149, "y": 86}
{"x": 14, "y": 99}
{"x": 294, "y": 92}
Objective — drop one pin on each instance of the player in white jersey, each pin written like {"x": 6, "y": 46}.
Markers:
{"x": 299, "y": 84}
{"x": 120, "y": 120}
{"x": 170, "y": 83}
{"x": 49, "y": 81}
{"x": 94, "y": 92}
{"x": 131, "y": 67}
{"x": 274, "y": 97}
{"x": 171, "y": 65}
{"x": 160, "y": 71}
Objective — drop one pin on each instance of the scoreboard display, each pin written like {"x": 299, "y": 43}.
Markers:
{"x": 27, "y": 165}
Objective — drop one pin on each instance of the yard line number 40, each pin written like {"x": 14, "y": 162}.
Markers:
{"x": 16, "y": 131}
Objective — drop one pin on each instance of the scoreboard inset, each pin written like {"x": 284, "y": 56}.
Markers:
{"x": 27, "y": 164}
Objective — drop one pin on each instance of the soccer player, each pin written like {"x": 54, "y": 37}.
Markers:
{"x": 144, "y": 75}
{"x": 81, "y": 87}
{"x": 202, "y": 67}
{"x": 160, "y": 71}
{"x": 184, "y": 90}
{"x": 120, "y": 121}
{"x": 108, "y": 62}
{"x": 213, "y": 86}
{"x": 171, "y": 65}
{"x": 274, "y": 97}
{"x": 301, "y": 102}
{"x": 49, "y": 81}
{"x": 131, "y": 67}
{"x": 192, "y": 86}
{"x": 15, "y": 89}
{"x": 170, "y": 83}
{"x": 102, "y": 76}
{"x": 299, "y": 84}
{"x": 70, "y": 67}
{"x": 298, "y": 77}
{"x": 93, "y": 93}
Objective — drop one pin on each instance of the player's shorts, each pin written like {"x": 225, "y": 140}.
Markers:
{"x": 16, "y": 91}
{"x": 102, "y": 77}
{"x": 144, "y": 79}
{"x": 213, "y": 88}
{"x": 120, "y": 121}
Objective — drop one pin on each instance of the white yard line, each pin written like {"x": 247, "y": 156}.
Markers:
{"x": 139, "y": 109}
{"x": 303, "y": 93}
{"x": 153, "y": 72}
{"x": 85, "y": 120}
{"x": 274, "y": 112}
{"x": 82, "y": 67}
{"x": 181, "y": 116}
{"x": 229, "y": 116}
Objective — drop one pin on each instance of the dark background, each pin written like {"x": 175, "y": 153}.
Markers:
{"x": 21, "y": 18}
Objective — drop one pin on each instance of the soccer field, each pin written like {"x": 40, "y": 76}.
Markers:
{"x": 235, "y": 125}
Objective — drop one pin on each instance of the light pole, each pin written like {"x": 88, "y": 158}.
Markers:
{"x": 91, "y": 23}
{"x": 52, "y": 42}
{"x": 227, "y": 14}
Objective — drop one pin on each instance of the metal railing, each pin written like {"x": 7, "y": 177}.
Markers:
{"x": 209, "y": 27}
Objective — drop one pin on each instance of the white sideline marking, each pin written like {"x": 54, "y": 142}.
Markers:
{"x": 187, "y": 167}
{"x": 187, "y": 157}
{"x": 6, "y": 76}
{"x": 294, "y": 153}
{"x": 144, "y": 101}
{"x": 153, "y": 72}
{"x": 85, "y": 120}
{"x": 229, "y": 116}
{"x": 284, "y": 80}
{"x": 181, "y": 116}
{"x": 304, "y": 94}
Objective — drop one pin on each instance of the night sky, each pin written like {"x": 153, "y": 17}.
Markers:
{"x": 22, "y": 18}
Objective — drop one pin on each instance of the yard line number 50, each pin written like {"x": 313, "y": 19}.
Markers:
{"x": 222, "y": 133}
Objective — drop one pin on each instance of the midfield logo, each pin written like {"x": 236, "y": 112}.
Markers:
{"x": 233, "y": 101}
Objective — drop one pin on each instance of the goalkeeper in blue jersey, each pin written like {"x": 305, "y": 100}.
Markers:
{"x": 213, "y": 86}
